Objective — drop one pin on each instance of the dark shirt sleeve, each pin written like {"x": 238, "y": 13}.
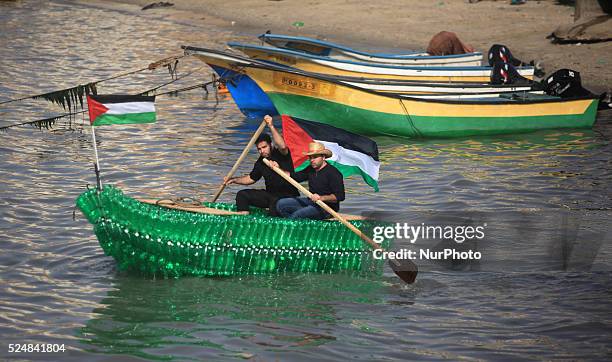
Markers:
{"x": 302, "y": 176}
{"x": 285, "y": 162}
{"x": 256, "y": 173}
{"x": 337, "y": 185}
{"x": 287, "y": 159}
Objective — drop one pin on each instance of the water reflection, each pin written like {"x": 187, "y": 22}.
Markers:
{"x": 225, "y": 317}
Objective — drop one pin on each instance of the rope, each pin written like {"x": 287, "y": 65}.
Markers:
{"x": 416, "y": 130}
{"x": 151, "y": 66}
{"x": 170, "y": 82}
{"x": 48, "y": 122}
{"x": 201, "y": 85}
{"x": 41, "y": 123}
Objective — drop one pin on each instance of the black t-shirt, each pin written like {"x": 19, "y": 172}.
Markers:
{"x": 326, "y": 181}
{"x": 275, "y": 184}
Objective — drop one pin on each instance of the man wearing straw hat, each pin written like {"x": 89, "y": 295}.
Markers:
{"x": 276, "y": 186}
{"x": 325, "y": 183}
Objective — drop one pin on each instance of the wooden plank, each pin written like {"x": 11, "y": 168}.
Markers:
{"x": 170, "y": 204}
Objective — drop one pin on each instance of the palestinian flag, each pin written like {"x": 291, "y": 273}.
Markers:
{"x": 120, "y": 109}
{"x": 352, "y": 154}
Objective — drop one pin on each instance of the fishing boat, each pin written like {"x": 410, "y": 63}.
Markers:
{"x": 254, "y": 103}
{"x": 250, "y": 99}
{"x": 326, "y": 65}
{"x": 312, "y": 96}
{"x": 341, "y": 52}
{"x": 171, "y": 239}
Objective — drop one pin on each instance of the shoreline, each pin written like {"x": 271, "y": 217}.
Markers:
{"x": 398, "y": 25}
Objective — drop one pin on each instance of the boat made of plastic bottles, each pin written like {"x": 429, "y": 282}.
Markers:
{"x": 211, "y": 239}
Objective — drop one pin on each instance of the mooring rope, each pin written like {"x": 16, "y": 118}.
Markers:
{"x": 41, "y": 123}
{"x": 48, "y": 122}
{"x": 169, "y": 82}
{"x": 416, "y": 130}
{"x": 170, "y": 62}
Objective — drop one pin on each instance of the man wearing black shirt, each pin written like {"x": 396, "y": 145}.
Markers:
{"x": 324, "y": 182}
{"x": 276, "y": 186}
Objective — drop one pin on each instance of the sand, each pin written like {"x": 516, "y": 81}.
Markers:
{"x": 398, "y": 25}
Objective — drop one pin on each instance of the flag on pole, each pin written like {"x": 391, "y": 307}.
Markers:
{"x": 352, "y": 154}
{"x": 120, "y": 109}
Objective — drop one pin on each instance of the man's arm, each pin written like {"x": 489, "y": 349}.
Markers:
{"x": 279, "y": 141}
{"x": 324, "y": 198}
{"x": 241, "y": 180}
{"x": 337, "y": 187}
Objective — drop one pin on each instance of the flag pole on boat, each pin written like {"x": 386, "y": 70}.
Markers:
{"x": 97, "y": 161}
{"x": 406, "y": 270}
{"x": 239, "y": 160}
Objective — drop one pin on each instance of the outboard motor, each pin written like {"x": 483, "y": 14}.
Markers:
{"x": 505, "y": 73}
{"x": 565, "y": 83}
{"x": 501, "y": 53}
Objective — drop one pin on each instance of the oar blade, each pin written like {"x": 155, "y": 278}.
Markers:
{"x": 405, "y": 269}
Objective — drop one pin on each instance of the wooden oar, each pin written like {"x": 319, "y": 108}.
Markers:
{"x": 242, "y": 156}
{"x": 406, "y": 270}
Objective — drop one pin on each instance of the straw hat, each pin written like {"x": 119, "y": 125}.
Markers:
{"x": 316, "y": 148}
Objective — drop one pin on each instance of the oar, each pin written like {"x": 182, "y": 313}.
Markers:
{"x": 242, "y": 156}
{"x": 406, "y": 270}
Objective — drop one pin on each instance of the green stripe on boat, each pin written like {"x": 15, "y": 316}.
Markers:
{"x": 372, "y": 123}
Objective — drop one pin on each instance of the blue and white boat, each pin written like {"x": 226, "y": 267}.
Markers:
{"x": 341, "y": 52}
{"x": 337, "y": 67}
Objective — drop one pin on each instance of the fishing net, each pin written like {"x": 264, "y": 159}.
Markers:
{"x": 155, "y": 240}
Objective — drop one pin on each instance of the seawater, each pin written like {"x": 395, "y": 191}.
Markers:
{"x": 529, "y": 298}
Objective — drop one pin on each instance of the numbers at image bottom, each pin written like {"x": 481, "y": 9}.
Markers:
{"x": 36, "y": 348}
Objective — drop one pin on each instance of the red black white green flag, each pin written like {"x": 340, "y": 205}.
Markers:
{"x": 120, "y": 109}
{"x": 352, "y": 154}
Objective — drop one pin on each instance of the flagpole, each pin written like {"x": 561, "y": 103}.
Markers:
{"x": 97, "y": 163}
{"x": 245, "y": 151}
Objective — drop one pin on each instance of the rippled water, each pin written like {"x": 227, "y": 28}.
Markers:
{"x": 59, "y": 287}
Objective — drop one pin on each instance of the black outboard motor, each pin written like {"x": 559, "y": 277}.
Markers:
{"x": 501, "y": 53}
{"x": 565, "y": 83}
{"x": 505, "y": 73}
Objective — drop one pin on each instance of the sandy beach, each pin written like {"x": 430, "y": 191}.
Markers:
{"x": 397, "y": 25}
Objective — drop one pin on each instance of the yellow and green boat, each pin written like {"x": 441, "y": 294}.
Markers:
{"x": 327, "y": 100}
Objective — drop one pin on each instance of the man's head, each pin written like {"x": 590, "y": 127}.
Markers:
{"x": 264, "y": 145}
{"x": 317, "y": 153}
{"x": 316, "y": 161}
